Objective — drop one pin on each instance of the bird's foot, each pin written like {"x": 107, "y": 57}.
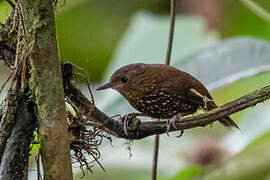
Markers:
{"x": 126, "y": 119}
{"x": 181, "y": 133}
{"x": 117, "y": 115}
{"x": 171, "y": 122}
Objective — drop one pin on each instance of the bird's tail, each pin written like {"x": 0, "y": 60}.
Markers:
{"x": 228, "y": 122}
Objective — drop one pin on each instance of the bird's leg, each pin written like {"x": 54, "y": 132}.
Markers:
{"x": 125, "y": 120}
{"x": 117, "y": 115}
{"x": 171, "y": 121}
{"x": 181, "y": 133}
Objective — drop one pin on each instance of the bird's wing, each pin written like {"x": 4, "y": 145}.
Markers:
{"x": 183, "y": 86}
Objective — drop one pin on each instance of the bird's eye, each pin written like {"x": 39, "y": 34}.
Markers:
{"x": 124, "y": 79}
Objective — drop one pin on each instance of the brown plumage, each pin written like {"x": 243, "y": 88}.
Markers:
{"x": 162, "y": 91}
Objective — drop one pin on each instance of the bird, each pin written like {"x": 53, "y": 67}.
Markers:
{"x": 161, "y": 91}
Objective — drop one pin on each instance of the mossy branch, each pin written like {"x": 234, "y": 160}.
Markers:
{"x": 138, "y": 130}
{"x": 14, "y": 164}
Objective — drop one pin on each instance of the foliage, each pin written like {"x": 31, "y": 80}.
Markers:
{"x": 5, "y": 11}
{"x": 188, "y": 173}
{"x": 100, "y": 34}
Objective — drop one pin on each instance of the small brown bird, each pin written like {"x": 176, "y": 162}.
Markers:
{"x": 161, "y": 91}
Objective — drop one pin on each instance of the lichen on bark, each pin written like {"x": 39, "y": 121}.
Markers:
{"x": 45, "y": 84}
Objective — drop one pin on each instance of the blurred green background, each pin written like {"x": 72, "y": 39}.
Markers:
{"x": 221, "y": 42}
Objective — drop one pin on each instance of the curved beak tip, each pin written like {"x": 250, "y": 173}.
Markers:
{"x": 105, "y": 86}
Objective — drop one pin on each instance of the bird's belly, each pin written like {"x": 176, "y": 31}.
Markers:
{"x": 164, "y": 109}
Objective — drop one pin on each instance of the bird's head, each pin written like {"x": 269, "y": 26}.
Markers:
{"x": 127, "y": 78}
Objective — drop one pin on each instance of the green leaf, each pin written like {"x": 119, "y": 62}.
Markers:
{"x": 263, "y": 138}
{"x": 188, "y": 173}
{"x": 251, "y": 163}
{"x": 228, "y": 61}
{"x": 147, "y": 37}
{"x": 255, "y": 124}
{"x": 5, "y": 10}
{"x": 88, "y": 31}
{"x": 238, "y": 20}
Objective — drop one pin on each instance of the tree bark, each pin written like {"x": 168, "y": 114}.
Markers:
{"x": 8, "y": 119}
{"x": 46, "y": 85}
{"x": 15, "y": 160}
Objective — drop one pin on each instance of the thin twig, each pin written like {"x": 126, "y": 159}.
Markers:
{"x": 257, "y": 9}
{"x": 18, "y": 45}
{"x": 97, "y": 161}
{"x": 24, "y": 72}
{"x": 167, "y": 62}
{"x": 85, "y": 75}
{"x": 172, "y": 22}
{"x": 37, "y": 157}
{"x": 11, "y": 3}
{"x": 155, "y": 157}
{"x": 25, "y": 32}
{"x": 89, "y": 90}
{"x": 4, "y": 84}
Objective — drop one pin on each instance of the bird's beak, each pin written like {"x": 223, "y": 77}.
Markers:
{"x": 105, "y": 86}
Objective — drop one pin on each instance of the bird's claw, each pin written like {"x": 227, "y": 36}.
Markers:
{"x": 125, "y": 121}
{"x": 117, "y": 115}
{"x": 172, "y": 122}
{"x": 181, "y": 133}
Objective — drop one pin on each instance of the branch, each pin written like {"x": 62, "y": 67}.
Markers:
{"x": 138, "y": 130}
{"x": 167, "y": 62}
{"x": 11, "y": 3}
{"x": 9, "y": 112}
{"x": 14, "y": 164}
{"x": 172, "y": 23}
